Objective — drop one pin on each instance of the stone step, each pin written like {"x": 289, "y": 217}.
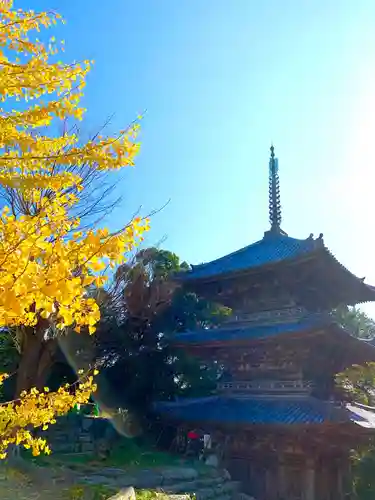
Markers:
{"x": 228, "y": 489}
{"x": 59, "y": 437}
{"x": 232, "y": 486}
{"x": 86, "y": 448}
{"x": 72, "y": 455}
{"x": 64, "y": 450}
{"x": 153, "y": 479}
{"x": 243, "y": 496}
{"x": 214, "y": 472}
{"x": 183, "y": 473}
{"x": 191, "y": 486}
{"x": 168, "y": 476}
{"x": 61, "y": 444}
{"x": 170, "y": 482}
{"x": 200, "y": 495}
{"x": 224, "y": 497}
{"x": 67, "y": 432}
{"x": 205, "y": 489}
{"x": 179, "y": 497}
{"x": 179, "y": 474}
{"x": 206, "y": 493}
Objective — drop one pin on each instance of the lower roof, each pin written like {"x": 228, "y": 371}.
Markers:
{"x": 243, "y": 333}
{"x": 265, "y": 411}
{"x": 251, "y": 331}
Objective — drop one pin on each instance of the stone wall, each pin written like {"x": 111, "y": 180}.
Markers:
{"x": 81, "y": 434}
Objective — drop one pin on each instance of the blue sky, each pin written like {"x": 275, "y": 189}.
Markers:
{"x": 220, "y": 80}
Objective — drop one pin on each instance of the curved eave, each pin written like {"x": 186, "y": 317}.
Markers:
{"x": 259, "y": 256}
{"x": 364, "y": 350}
{"x": 361, "y": 351}
{"x": 366, "y": 292}
{"x": 262, "y": 411}
{"x": 244, "y": 334}
{"x": 360, "y": 291}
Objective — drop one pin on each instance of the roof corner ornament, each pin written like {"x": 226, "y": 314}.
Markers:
{"x": 319, "y": 241}
{"x": 274, "y": 205}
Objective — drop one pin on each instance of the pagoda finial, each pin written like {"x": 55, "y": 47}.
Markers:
{"x": 274, "y": 207}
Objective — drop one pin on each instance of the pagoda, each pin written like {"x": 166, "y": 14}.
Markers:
{"x": 284, "y": 430}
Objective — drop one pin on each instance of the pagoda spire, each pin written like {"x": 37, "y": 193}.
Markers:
{"x": 274, "y": 206}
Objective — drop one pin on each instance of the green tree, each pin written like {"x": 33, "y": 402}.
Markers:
{"x": 364, "y": 477}
{"x": 145, "y": 309}
{"x": 358, "y": 323}
{"x": 357, "y": 384}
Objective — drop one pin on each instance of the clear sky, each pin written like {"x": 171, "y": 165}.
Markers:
{"x": 220, "y": 79}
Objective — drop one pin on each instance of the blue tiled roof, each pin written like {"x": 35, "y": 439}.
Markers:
{"x": 252, "y": 331}
{"x": 265, "y": 411}
{"x": 270, "y": 249}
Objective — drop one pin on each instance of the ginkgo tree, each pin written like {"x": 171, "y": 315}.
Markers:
{"x": 47, "y": 263}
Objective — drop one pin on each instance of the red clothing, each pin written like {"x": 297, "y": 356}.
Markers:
{"x": 192, "y": 435}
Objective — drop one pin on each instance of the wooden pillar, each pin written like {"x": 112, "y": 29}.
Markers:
{"x": 340, "y": 486}
{"x": 281, "y": 480}
{"x": 347, "y": 480}
{"x": 345, "y": 477}
{"x": 272, "y": 490}
{"x": 310, "y": 482}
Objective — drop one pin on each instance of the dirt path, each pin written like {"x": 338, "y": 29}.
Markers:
{"x": 17, "y": 490}
{"x": 41, "y": 485}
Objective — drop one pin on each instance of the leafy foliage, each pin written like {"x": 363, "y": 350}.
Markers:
{"x": 358, "y": 323}
{"x": 44, "y": 273}
{"x": 363, "y": 473}
{"x": 9, "y": 355}
{"x": 358, "y": 382}
{"x": 48, "y": 261}
{"x": 140, "y": 362}
{"x": 38, "y": 409}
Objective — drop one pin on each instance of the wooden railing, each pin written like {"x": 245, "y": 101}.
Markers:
{"x": 267, "y": 317}
{"x": 259, "y": 386}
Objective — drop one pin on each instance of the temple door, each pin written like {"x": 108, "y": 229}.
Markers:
{"x": 293, "y": 483}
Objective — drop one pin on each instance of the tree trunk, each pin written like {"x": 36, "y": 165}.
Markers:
{"x": 36, "y": 359}
{"x": 46, "y": 360}
{"x": 30, "y": 355}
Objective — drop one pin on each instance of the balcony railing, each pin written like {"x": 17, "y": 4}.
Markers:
{"x": 266, "y": 386}
{"x": 288, "y": 314}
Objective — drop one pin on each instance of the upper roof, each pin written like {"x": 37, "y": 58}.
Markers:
{"x": 264, "y": 410}
{"x": 272, "y": 248}
{"x": 277, "y": 247}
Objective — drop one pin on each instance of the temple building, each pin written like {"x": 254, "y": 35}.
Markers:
{"x": 285, "y": 430}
